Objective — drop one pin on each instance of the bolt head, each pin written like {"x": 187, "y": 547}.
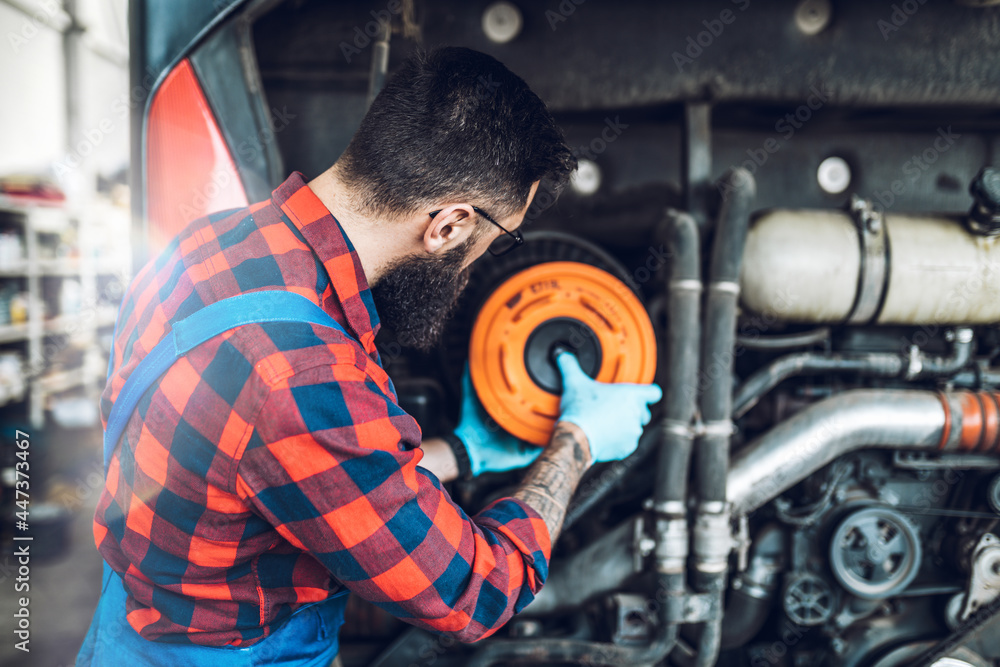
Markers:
{"x": 502, "y": 22}
{"x": 985, "y": 188}
{"x": 813, "y": 16}
{"x": 833, "y": 175}
{"x": 984, "y": 218}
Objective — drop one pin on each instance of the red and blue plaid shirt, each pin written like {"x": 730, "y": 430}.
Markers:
{"x": 272, "y": 465}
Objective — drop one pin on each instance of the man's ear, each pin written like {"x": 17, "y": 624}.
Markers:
{"x": 449, "y": 228}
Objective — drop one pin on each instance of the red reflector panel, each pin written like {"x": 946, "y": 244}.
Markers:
{"x": 189, "y": 170}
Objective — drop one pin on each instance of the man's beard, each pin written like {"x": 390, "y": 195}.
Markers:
{"x": 415, "y": 296}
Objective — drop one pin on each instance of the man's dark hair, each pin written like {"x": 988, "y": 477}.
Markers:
{"x": 454, "y": 124}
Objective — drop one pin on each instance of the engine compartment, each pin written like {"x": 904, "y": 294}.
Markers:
{"x": 795, "y": 194}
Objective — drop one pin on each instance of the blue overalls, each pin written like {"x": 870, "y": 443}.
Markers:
{"x": 309, "y": 637}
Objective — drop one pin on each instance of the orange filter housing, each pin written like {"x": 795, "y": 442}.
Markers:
{"x": 555, "y": 304}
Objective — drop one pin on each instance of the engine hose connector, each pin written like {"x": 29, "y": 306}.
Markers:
{"x": 671, "y": 545}
{"x": 712, "y": 542}
{"x": 971, "y": 421}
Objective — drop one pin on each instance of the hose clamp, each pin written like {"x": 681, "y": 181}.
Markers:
{"x": 677, "y": 427}
{"x": 873, "y": 273}
{"x": 725, "y": 286}
{"x": 712, "y": 542}
{"x": 687, "y": 285}
{"x": 723, "y": 427}
{"x": 962, "y": 335}
{"x": 671, "y": 545}
{"x": 671, "y": 508}
{"x": 915, "y": 364}
{"x": 712, "y": 507}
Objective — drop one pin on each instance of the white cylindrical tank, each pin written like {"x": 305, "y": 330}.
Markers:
{"x": 804, "y": 266}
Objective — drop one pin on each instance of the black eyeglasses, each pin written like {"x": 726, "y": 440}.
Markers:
{"x": 502, "y": 244}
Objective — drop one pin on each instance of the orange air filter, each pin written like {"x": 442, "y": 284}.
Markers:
{"x": 556, "y": 304}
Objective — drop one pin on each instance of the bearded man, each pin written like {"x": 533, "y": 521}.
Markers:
{"x": 266, "y": 469}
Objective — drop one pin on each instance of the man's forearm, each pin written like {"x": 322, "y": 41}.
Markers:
{"x": 554, "y": 476}
{"x": 549, "y": 483}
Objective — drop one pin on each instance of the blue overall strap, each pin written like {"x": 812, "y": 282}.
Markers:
{"x": 203, "y": 324}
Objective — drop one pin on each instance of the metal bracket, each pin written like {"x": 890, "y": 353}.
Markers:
{"x": 741, "y": 543}
{"x": 923, "y": 461}
{"x": 692, "y": 608}
{"x": 642, "y": 545}
{"x": 633, "y": 620}
{"x": 984, "y": 580}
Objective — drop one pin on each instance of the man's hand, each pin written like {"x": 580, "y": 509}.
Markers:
{"x": 612, "y": 416}
{"x": 599, "y": 422}
{"x": 489, "y": 447}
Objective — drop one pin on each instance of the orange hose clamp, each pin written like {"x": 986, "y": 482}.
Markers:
{"x": 568, "y": 304}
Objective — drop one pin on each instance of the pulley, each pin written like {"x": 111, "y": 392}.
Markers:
{"x": 875, "y": 553}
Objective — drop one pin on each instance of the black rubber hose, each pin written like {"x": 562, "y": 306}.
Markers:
{"x": 684, "y": 289}
{"x": 682, "y": 357}
{"x": 716, "y": 402}
{"x": 745, "y": 616}
{"x": 681, "y": 238}
{"x": 739, "y": 190}
{"x": 592, "y": 491}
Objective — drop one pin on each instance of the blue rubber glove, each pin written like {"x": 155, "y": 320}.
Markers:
{"x": 489, "y": 447}
{"x": 610, "y": 415}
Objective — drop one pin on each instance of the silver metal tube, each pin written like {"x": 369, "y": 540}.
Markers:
{"x": 822, "y": 433}
{"x": 380, "y": 61}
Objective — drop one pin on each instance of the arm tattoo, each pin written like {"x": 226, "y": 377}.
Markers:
{"x": 553, "y": 477}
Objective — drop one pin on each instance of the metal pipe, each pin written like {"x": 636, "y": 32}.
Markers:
{"x": 872, "y": 364}
{"x": 854, "y": 420}
{"x": 380, "y": 61}
{"x": 977, "y": 377}
{"x": 696, "y": 160}
{"x": 712, "y": 539}
{"x": 962, "y": 348}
